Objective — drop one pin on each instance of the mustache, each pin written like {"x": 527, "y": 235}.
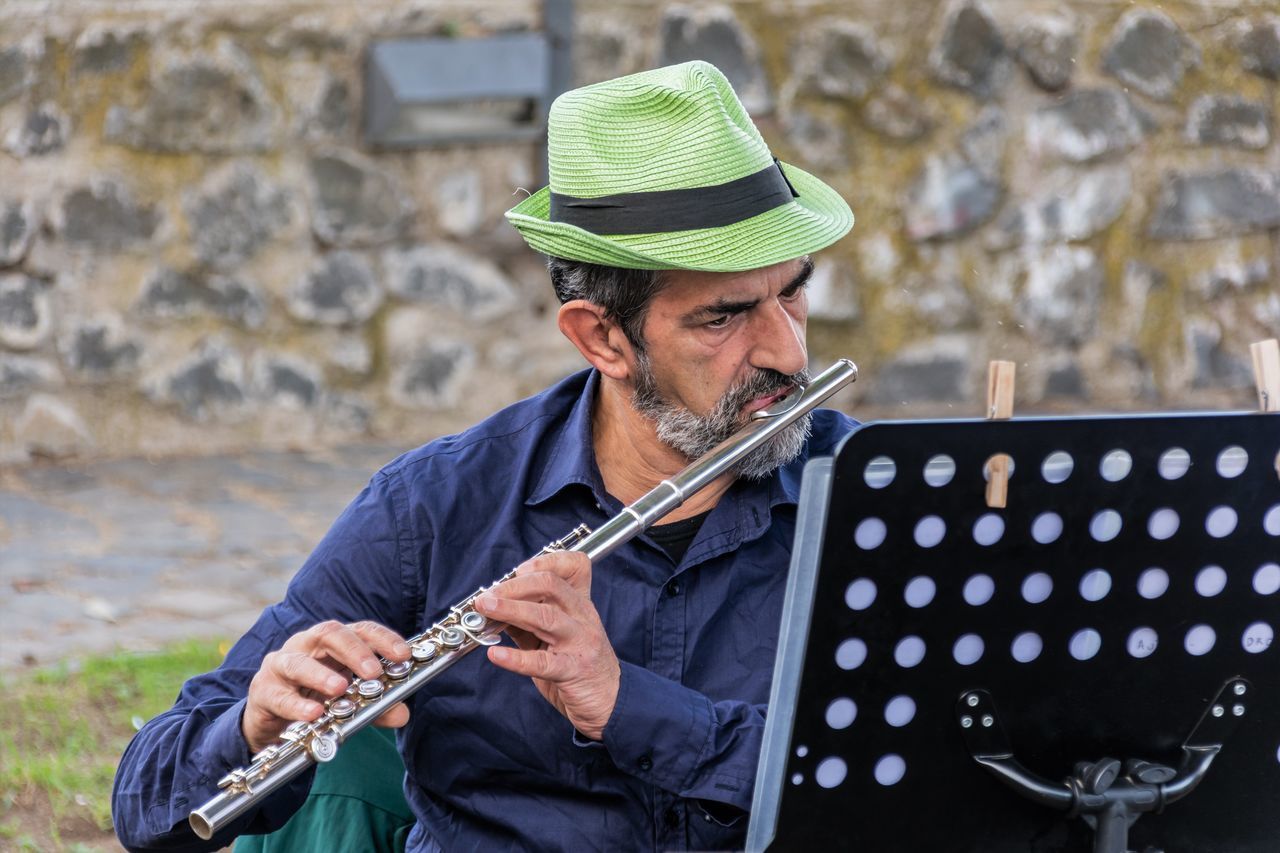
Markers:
{"x": 763, "y": 382}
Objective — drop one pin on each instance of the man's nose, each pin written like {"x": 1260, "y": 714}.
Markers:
{"x": 780, "y": 340}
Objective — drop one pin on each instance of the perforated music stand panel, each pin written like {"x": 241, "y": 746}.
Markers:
{"x": 1135, "y": 569}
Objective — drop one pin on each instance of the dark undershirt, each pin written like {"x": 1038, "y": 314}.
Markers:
{"x": 676, "y": 537}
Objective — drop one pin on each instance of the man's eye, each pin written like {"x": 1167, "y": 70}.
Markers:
{"x": 719, "y": 322}
{"x": 794, "y": 291}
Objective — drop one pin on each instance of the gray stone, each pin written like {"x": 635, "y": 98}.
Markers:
{"x": 459, "y": 199}
{"x": 100, "y": 50}
{"x": 935, "y": 370}
{"x": 49, "y": 427}
{"x": 1204, "y": 205}
{"x": 18, "y": 224}
{"x": 896, "y": 114}
{"x": 950, "y": 198}
{"x": 355, "y": 203}
{"x": 287, "y": 381}
{"x": 1149, "y": 52}
{"x": 340, "y": 291}
{"x": 234, "y": 214}
{"x": 819, "y": 140}
{"x": 1068, "y": 206}
{"x": 1259, "y": 45}
{"x": 1066, "y": 381}
{"x": 100, "y": 350}
{"x": 347, "y": 413}
{"x": 17, "y": 69}
{"x": 104, "y": 216}
{"x": 603, "y": 49}
{"x": 840, "y": 59}
{"x": 1047, "y": 45}
{"x": 1062, "y": 295}
{"x": 44, "y": 131}
{"x": 350, "y": 354}
{"x": 1232, "y": 273}
{"x": 170, "y": 294}
{"x": 713, "y": 33}
{"x": 937, "y": 299}
{"x": 832, "y": 294}
{"x": 971, "y": 53}
{"x": 213, "y": 103}
{"x": 210, "y": 383}
{"x": 433, "y": 376}
{"x": 442, "y": 275}
{"x": 331, "y": 115}
{"x": 25, "y": 312}
{"x": 1229, "y": 120}
{"x": 20, "y": 374}
{"x": 1213, "y": 364}
{"x": 1086, "y": 125}
{"x": 983, "y": 142}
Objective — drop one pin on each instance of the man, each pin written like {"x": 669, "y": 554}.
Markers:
{"x": 629, "y": 712}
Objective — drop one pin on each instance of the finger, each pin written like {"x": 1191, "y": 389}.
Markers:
{"x": 347, "y": 646}
{"x": 535, "y": 663}
{"x": 395, "y": 717}
{"x": 382, "y": 640}
{"x": 300, "y": 672}
{"x": 573, "y": 566}
{"x": 279, "y": 700}
{"x": 540, "y": 586}
{"x": 547, "y": 622}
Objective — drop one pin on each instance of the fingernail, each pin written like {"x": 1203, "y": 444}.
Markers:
{"x": 336, "y": 684}
{"x": 487, "y": 601}
{"x": 402, "y": 649}
{"x": 497, "y": 653}
{"x": 370, "y": 669}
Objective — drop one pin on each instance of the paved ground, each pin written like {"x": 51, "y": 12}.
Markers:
{"x": 131, "y": 554}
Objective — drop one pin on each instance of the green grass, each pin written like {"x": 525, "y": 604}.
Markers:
{"x": 64, "y": 731}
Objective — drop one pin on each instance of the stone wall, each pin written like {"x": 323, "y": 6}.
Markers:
{"x": 197, "y": 251}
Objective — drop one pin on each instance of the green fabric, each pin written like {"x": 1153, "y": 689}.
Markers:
{"x": 356, "y": 803}
{"x": 671, "y": 128}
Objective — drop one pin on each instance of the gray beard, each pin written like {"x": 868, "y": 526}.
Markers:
{"x": 694, "y": 435}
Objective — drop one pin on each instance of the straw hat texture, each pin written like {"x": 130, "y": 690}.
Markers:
{"x": 665, "y": 170}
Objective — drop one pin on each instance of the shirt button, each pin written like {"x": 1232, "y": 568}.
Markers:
{"x": 673, "y": 589}
{"x": 646, "y": 763}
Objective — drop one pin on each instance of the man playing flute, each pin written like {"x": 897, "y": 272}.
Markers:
{"x": 628, "y": 712}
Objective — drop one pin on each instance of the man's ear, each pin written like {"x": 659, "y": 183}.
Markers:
{"x": 600, "y": 340}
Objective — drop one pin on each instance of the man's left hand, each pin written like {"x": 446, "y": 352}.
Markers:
{"x": 562, "y": 644}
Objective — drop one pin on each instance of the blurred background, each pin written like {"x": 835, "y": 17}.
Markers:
{"x": 250, "y": 251}
{"x": 209, "y": 241}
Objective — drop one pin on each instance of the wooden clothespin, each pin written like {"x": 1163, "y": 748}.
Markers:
{"x": 1266, "y": 374}
{"x": 1000, "y": 375}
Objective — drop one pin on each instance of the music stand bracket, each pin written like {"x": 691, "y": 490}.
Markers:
{"x": 1106, "y": 794}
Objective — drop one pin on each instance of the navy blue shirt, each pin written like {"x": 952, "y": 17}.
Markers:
{"x": 490, "y": 764}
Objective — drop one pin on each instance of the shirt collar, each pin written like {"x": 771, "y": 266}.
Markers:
{"x": 571, "y": 458}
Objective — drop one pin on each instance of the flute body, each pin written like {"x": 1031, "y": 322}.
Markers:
{"x": 464, "y": 630}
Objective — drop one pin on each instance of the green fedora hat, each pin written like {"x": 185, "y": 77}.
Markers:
{"x": 665, "y": 170}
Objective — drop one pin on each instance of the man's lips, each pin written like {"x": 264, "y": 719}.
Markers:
{"x": 767, "y": 400}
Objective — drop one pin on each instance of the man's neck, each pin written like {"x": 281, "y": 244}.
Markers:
{"x": 631, "y": 458}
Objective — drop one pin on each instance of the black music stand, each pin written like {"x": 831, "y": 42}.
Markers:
{"x": 1091, "y": 667}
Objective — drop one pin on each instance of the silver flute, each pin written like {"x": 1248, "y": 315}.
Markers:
{"x": 464, "y": 630}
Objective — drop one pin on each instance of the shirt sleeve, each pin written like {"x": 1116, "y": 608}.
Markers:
{"x": 364, "y": 568}
{"x": 679, "y": 740}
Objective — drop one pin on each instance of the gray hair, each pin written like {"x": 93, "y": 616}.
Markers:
{"x": 623, "y": 294}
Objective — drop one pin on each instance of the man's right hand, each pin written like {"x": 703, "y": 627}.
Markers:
{"x": 314, "y": 665}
